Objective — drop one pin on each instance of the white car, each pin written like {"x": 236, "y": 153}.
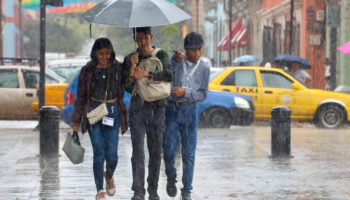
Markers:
{"x": 67, "y": 68}
{"x": 18, "y": 89}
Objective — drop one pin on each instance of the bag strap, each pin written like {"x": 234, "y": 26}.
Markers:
{"x": 107, "y": 83}
{"x": 155, "y": 51}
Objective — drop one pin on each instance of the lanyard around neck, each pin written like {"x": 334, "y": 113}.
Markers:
{"x": 185, "y": 65}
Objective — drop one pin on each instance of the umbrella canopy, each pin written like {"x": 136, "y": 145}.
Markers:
{"x": 246, "y": 58}
{"x": 345, "y": 48}
{"x": 290, "y": 59}
{"x": 135, "y": 13}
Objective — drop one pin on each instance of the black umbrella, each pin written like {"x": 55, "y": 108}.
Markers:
{"x": 288, "y": 60}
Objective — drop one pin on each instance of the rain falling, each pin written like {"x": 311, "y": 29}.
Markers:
{"x": 174, "y": 99}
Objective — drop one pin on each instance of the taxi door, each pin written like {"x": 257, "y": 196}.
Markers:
{"x": 278, "y": 91}
{"x": 242, "y": 81}
{"x": 11, "y": 99}
{"x": 30, "y": 82}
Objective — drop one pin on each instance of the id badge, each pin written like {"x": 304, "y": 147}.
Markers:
{"x": 108, "y": 121}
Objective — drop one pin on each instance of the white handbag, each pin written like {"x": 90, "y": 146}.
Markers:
{"x": 97, "y": 114}
{"x": 100, "y": 111}
{"x": 150, "y": 90}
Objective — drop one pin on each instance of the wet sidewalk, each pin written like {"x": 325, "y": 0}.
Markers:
{"x": 230, "y": 164}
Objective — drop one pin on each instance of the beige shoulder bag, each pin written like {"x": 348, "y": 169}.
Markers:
{"x": 100, "y": 111}
{"x": 151, "y": 90}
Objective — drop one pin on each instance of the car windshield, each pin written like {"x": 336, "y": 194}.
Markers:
{"x": 56, "y": 75}
{"x": 66, "y": 72}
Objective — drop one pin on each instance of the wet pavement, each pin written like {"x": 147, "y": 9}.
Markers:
{"x": 230, "y": 164}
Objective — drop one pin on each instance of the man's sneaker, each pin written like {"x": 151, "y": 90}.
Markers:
{"x": 185, "y": 195}
{"x": 138, "y": 197}
{"x": 110, "y": 185}
{"x": 101, "y": 195}
{"x": 171, "y": 188}
{"x": 153, "y": 197}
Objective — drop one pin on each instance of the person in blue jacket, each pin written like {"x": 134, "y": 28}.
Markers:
{"x": 189, "y": 86}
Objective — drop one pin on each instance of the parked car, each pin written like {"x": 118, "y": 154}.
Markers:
{"x": 219, "y": 110}
{"x": 54, "y": 96}
{"x": 67, "y": 68}
{"x": 54, "y": 92}
{"x": 270, "y": 87}
{"x": 18, "y": 85}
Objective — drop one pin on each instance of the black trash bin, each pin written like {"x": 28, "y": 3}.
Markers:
{"x": 49, "y": 130}
{"x": 280, "y": 131}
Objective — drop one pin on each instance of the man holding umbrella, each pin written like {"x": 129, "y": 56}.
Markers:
{"x": 300, "y": 74}
{"x": 296, "y": 66}
{"x": 146, "y": 118}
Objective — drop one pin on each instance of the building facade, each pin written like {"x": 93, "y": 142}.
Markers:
{"x": 195, "y": 9}
{"x": 307, "y": 35}
{"x": 214, "y": 27}
{"x": 12, "y": 25}
{"x": 338, "y": 33}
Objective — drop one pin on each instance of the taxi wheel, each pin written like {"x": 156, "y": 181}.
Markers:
{"x": 330, "y": 116}
{"x": 218, "y": 118}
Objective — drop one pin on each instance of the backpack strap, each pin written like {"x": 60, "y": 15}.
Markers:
{"x": 154, "y": 53}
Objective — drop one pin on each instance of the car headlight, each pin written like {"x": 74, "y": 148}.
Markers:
{"x": 241, "y": 102}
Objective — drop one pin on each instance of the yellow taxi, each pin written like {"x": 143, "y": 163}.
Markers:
{"x": 54, "y": 96}
{"x": 54, "y": 93}
{"x": 270, "y": 87}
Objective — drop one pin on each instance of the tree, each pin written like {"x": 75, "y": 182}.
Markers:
{"x": 62, "y": 35}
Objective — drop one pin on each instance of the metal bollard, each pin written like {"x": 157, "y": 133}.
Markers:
{"x": 280, "y": 131}
{"x": 49, "y": 129}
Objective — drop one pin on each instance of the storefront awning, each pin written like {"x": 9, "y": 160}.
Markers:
{"x": 239, "y": 40}
{"x": 239, "y": 36}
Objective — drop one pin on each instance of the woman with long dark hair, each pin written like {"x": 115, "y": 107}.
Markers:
{"x": 101, "y": 81}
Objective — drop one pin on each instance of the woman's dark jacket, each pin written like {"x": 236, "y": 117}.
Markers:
{"x": 81, "y": 105}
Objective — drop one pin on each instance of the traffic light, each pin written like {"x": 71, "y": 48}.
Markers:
{"x": 54, "y": 2}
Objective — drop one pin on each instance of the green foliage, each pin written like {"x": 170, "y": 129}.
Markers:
{"x": 121, "y": 38}
{"x": 64, "y": 34}
{"x": 171, "y": 30}
{"x": 68, "y": 33}
{"x": 32, "y": 39}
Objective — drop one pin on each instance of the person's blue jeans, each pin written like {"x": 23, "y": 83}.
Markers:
{"x": 104, "y": 140}
{"x": 180, "y": 120}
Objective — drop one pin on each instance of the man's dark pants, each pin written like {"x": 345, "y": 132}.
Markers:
{"x": 149, "y": 120}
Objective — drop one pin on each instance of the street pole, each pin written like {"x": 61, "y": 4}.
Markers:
{"x": 291, "y": 27}
{"x": 0, "y": 28}
{"x": 333, "y": 58}
{"x": 42, "y": 54}
{"x": 197, "y": 16}
{"x": 20, "y": 28}
{"x": 230, "y": 31}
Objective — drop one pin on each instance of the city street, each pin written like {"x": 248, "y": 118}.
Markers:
{"x": 231, "y": 64}
{"x": 230, "y": 164}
